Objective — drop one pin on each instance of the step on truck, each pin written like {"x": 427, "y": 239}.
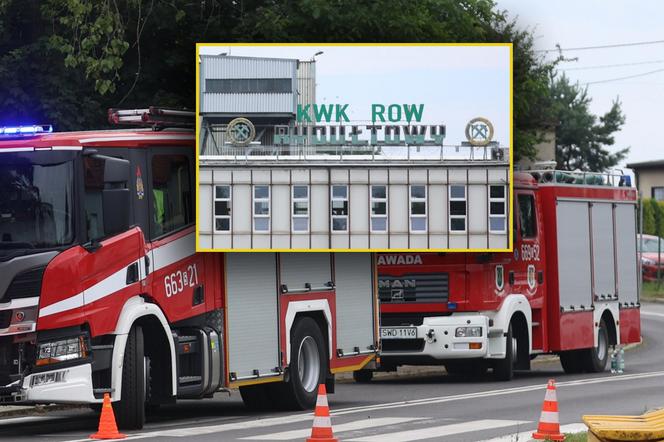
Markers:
{"x": 570, "y": 287}
{"x": 102, "y": 291}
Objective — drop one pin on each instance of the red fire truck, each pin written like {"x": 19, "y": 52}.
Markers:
{"x": 570, "y": 287}
{"x": 101, "y": 290}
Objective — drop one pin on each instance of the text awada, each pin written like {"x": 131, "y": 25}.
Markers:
{"x": 399, "y": 260}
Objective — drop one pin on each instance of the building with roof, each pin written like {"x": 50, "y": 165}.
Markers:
{"x": 649, "y": 177}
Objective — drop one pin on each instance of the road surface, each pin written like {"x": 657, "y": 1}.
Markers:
{"x": 433, "y": 407}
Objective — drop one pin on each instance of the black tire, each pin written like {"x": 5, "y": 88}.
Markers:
{"x": 363, "y": 376}
{"x": 571, "y": 361}
{"x": 257, "y": 397}
{"x": 291, "y": 394}
{"x": 593, "y": 361}
{"x": 130, "y": 410}
{"x": 503, "y": 369}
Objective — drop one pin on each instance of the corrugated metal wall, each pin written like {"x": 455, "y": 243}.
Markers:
{"x": 225, "y": 67}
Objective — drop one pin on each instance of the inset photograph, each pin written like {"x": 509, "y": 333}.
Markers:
{"x": 354, "y": 147}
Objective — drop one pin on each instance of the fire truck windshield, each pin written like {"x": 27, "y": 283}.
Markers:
{"x": 36, "y": 201}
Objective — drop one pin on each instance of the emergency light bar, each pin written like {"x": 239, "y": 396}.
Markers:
{"x": 25, "y": 131}
{"x": 155, "y": 117}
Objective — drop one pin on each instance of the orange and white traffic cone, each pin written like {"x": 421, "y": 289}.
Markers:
{"x": 322, "y": 428}
{"x": 549, "y": 424}
{"x": 107, "y": 427}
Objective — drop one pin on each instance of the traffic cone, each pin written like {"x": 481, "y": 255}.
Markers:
{"x": 107, "y": 427}
{"x": 549, "y": 424}
{"x": 322, "y": 428}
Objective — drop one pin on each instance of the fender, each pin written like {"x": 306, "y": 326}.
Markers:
{"x": 133, "y": 309}
{"x": 501, "y": 320}
{"x": 314, "y": 305}
{"x": 600, "y": 308}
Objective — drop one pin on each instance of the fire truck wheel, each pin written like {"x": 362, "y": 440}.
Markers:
{"x": 256, "y": 397}
{"x": 571, "y": 361}
{"x": 130, "y": 410}
{"x": 596, "y": 358}
{"x": 308, "y": 367}
{"x": 362, "y": 376}
{"x": 503, "y": 369}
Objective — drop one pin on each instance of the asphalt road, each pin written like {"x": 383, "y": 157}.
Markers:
{"x": 433, "y": 407}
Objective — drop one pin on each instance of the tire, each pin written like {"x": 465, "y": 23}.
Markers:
{"x": 130, "y": 410}
{"x": 595, "y": 358}
{"x": 256, "y": 397}
{"x": 307, "y": 369}
{"x": 571, "y": 361}
{"x": 503, "y": 369}
{"x": 363, "y": 376}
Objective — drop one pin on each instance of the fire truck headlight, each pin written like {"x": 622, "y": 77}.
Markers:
{"x": 468, "y": 332}
{"x": 61, "y": 350}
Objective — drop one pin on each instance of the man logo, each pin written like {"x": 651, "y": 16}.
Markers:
{"x": 479, "y": 131}
{"x": 397, "y": 295}
{"x": 240, "y": 132}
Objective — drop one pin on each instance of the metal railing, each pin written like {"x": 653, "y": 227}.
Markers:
{"x": 615, "y": 178}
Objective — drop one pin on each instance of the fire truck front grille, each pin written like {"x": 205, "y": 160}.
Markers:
{"x": 25, "y": 285}
{"x": 414, "y": 287}
{"x": 5, "y": 318}
{"x": 402, "y": 345}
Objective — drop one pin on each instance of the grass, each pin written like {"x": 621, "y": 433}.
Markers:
{"x": 652, "y": 291}
{"x": 576, "y": 437}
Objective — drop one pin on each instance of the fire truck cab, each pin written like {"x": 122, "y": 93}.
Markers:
{"x": 102, "y": 291}
{"x": 570, "y": 287}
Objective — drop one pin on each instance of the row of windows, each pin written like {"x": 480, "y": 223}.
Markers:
{"x": 418, "y": 208}
{"x": 249, "y": 85}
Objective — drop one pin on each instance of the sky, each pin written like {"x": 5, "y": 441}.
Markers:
{"x": 455, "y": 84}
{"x": 582, "y": 23}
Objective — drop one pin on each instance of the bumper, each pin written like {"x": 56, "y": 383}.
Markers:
{"x": 436, "y": 339}
{"x": 70, "y": 385}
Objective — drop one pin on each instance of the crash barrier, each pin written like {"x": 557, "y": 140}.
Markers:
{"x": 549, "y": 423}
{"x": 646, "y": 427}
{"x": 321, "y": 431}
{"x": 107, "y": 427}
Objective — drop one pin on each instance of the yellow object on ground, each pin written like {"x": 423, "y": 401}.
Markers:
{"x": 646, "y": 427}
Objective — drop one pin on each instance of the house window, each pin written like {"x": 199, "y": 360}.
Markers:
{"x": 657, "y": 193}
{"x": 418, "y": 208}
{"x": 497, "y": 209}
{"x": 261, "y": 208}
{"x": 300, "y": 209}
{"x": 457, "y": 208}
{"x": 379, "y": 208}
{"x": 339, "y": 208}
{"x": 222, "y": 208}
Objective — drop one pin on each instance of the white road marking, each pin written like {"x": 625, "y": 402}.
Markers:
{"x": 267, "y": 422}
{"x": 647, "y": 313}
{"x": 440, "y": 431}
{"x": 528, "y": 435}
{"x": 350, "y": 426}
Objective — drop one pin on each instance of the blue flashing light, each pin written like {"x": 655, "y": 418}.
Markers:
{"x": 30, "y": 130}
{"x": 452, "y": 305}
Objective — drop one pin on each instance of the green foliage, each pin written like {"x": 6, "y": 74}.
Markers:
{"x": 581, "y": 138}
{"x": 66, "y": 61}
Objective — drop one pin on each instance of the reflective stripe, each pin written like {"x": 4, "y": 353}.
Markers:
{"x": 549, "y": 417}
{"x": 173, "y": 251}
{"x": 550, "y": 395}
{"x": 322, "y": 422}
{"x": 321, "y": 401}
{"x": 136, "y": 138}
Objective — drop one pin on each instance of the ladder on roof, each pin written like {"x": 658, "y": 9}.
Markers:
{"x": 155, "y": 117}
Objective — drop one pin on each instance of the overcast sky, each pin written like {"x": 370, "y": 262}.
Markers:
{"x": 582, "y": 23}
{"x": 455, "y": 84}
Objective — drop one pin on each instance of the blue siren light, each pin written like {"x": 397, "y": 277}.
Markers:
{"x": 30, "y": 130}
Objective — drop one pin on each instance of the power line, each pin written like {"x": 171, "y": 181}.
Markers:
{"x": 617, "y": 45}
{"x": 604, "y": 66}
{"x": 624, "y": 78}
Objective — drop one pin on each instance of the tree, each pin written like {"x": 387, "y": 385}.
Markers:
{"x": 65, "y": 61}
{"x": 581, "y": 137}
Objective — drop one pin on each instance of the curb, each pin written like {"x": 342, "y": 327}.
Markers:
{"x": 7, "y": 411}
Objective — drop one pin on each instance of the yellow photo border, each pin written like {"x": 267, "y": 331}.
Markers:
{"x": 511, "y": 141}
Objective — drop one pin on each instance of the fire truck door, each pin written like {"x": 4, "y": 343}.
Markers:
{"x": 252, "y": 314}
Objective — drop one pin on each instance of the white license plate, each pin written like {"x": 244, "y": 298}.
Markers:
{"x": 398, "y": 333}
